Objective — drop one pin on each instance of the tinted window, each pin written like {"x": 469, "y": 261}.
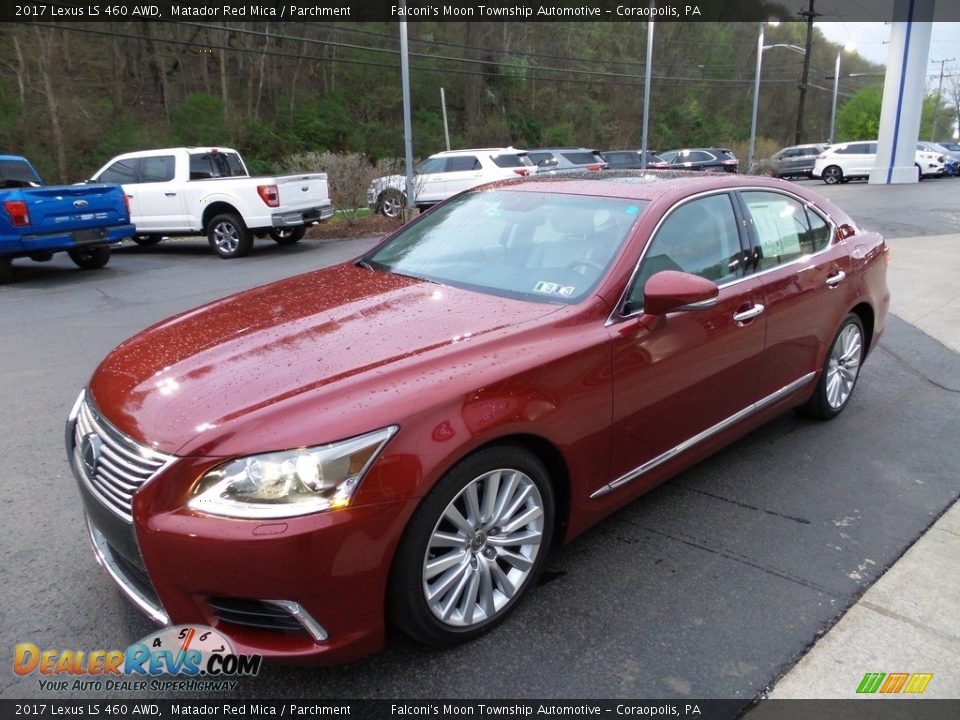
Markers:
{"x": 157, "y": 169}
{"x": 621, "y": 158}
{"x": 543, "y": 158}
{"x": 461, "y": 164}
{"x": 511, "y": 161}
{"x": 431, "y": 165}
{"x": 582, "y": 158}
{"x": 122, "y": 171}
{"x": 215, "y": 164}
{"x": 699, "y": 237}
{"x": 785, "y": 228}
{"x": 698, "y": 156}
{"x": 17, "y": 173}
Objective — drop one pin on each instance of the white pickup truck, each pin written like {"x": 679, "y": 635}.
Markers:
{"x": 208, "y": 191}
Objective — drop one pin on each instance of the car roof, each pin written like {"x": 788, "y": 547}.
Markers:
{"x": 638, "y": 184}
{"x": 492, "y": 151}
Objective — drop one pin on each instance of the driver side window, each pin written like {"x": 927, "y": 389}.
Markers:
{"x": 699, "y": 237}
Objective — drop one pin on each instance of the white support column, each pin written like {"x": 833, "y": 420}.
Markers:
{"x": 903, "y": 92}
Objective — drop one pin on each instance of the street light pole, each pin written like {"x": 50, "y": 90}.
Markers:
{"x": 756, "y": 98}
{"x": 836, "y": 87}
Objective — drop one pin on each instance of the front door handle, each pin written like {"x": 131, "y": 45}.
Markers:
{"x": 173, "y": 194}
{"x": 748, "y": 314}
{"x": 835, "y": 280}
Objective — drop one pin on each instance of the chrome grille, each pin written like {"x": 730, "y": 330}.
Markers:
{"x": 121, "y": 465}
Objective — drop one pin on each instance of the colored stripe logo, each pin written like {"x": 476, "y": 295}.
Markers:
{"x": 892, "y": 683}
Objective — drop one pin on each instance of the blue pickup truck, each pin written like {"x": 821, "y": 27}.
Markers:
{"x": 37, "y": 220}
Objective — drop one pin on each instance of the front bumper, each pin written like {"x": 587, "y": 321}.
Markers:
{"x": 295, "y": 218}
{"x": 309, "y": 588}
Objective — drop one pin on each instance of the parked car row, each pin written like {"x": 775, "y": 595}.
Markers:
{"x": 842, "y": 162}
{"x": 445, "y": 174}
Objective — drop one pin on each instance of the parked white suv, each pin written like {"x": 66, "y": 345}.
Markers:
{"x": 846, "y": 161}
{"x": 445, "y": 174}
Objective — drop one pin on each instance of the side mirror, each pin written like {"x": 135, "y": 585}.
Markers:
{"x": 670, "y": 290}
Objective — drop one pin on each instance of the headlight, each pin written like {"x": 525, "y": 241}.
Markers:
{"x": 289, "y": 483}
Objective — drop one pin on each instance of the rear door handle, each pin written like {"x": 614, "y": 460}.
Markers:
{"x": 749, "y": 313}
{"x": 835, "y": 280}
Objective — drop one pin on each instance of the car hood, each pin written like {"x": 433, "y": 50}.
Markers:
{"x": 331, "y": 337}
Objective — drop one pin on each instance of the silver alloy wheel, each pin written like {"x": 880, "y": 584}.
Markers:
{"x": 832, "y": 175}
{"x": 483, "y": 548}
{"x": 844, "y": 365}
{"x": 227, "y": 236}
{"x": 392, "y": 205}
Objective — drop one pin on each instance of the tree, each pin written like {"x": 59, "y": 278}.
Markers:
{"x": 859, "y": 117}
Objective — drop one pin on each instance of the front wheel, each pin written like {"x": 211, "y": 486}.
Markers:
{"x": 473, "y": 548}
{"x": 6, "y": 270}
{"x": 90, "y": 257}
{"x": 392, "y": 203}
{"x": 832, "y": 175}
{"x": 147, "y": 240}
{"x": 840, "y": 372}
{"x": 288, "y": 236}
{"x": 228, "y": 236}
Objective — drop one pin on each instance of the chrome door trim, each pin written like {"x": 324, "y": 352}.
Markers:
{"x": 705, "y": 435}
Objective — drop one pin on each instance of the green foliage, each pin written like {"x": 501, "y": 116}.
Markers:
{"x": 859, "y": 117}
{"x": 559, "y": 135}
{"x": 199, "y": 120}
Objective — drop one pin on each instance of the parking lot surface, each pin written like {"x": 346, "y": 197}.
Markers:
{"x": 709, "y": 587}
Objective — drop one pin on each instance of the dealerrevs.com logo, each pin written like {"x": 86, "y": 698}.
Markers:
{"x": 894, "y": 683}
{"x": 199, "y": 657}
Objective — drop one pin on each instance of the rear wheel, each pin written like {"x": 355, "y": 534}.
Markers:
{"x": 90, "y": 257}
{"x": 288, "y": 236}
{"x": 473, "y": 547}
{"x": 840, "y": 372}
{"x": 832, "y": 175}
{"x": 228, "y": 236}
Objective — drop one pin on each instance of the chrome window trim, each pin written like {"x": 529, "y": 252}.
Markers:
{"x": 616, "y": 316}
{"x": 702, "y": 436}
{"x": 309, "y": 623}
{"x": 104, "y": 556}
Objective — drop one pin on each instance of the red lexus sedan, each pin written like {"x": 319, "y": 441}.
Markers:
{"x": 403, "y": 438}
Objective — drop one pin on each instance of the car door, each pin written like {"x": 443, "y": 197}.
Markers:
{"x": 691, "y": 371}
{"x": 802, "y": 267}
{"x": 124, "y": 172}
{"x": 462, "y": 172}
{"x": 430, "y": 180}
{"x": 160, "y": 200}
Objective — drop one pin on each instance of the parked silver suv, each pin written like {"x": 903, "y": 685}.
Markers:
{"x": 796, "y": 160}
{"x": 445, "y": 174}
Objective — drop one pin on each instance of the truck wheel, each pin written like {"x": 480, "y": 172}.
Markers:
{"x": 90, "y": 257}
{"x": 392, "y": 203}
{"x": 228, "y": 236}
{"x": 147, "y": 240}
{"x": 6, "y": 270}
{"x": 288, "y": 236}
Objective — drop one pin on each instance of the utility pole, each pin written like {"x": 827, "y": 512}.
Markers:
{"x": 936, "y": 114}
{"x": 810, "y": 15}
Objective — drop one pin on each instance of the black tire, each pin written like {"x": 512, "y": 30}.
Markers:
{"x": 90, "y": 257}
{"x": 832, "y": 175}
{"x": 228, "y": 236}
{"x": 6, "y": 270}
{"x": 288, "y": 236}
{"x": 391, "y": 203}
{"x": 919, "y": 173}
{"x": 486, "y": 575}
{"x": 842, "y": 365}
{"x": 147, "y": 240}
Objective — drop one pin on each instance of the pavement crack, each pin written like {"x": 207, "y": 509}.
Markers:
{"x": 913, "y": 371}
{"x": 894, "y": 615}
{"x": 802, "y": 521}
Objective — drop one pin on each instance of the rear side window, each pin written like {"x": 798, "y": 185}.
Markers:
{"x": 511, "y": 161}
{"x": 157, "y": 169}
{"x": 215, "y": 164}
{"x": 582, "y": 158}
{"x": 543, "y": 158}
{"x": 122, "y": 171}
{"x": 785, "y": 228}
{"x": 17, "y": 173}
{"x": 462, "y": 164}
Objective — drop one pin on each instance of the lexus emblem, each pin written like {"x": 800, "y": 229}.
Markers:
{"x": 90, "y": 447}
{"x": 80, "y": 203}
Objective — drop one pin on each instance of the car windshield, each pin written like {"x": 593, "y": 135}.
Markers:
{"x": 538, "y": 246}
